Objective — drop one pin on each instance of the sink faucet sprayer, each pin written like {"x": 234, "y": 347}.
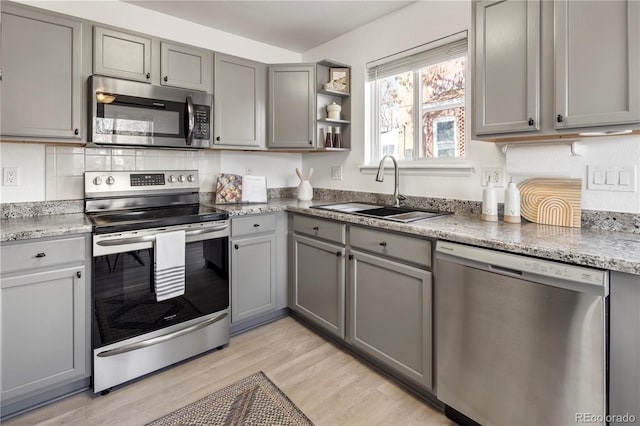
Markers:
{"x": 396, "y": 185}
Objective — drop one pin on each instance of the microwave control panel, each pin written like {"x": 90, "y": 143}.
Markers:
{"x": 202, "y": 125}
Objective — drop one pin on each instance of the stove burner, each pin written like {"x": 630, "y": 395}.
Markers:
{"x": 130, "y": 220}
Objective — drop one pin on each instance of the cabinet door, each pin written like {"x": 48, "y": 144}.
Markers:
{"x": 597, "y": 62}
{"x": 507, "y": 68}
{"x": 122, "y": 55}
{"x": 239, "y": 101}
{"x": 41, "y": 75}
{"x": 43, "y": 330}
{"x": 391, "y": 315}
{"x": 186, "y": 67}
{"x": 291, "y": 106}
{"x": 253, "y": 277}
{"x": 319, "y": 283}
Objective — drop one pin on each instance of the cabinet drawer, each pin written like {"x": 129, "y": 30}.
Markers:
{"x": 250, "y": 225}
{"x": 40, "y": 254}
{"x": 410, "y": 249}
{"x": 319, "y": 228}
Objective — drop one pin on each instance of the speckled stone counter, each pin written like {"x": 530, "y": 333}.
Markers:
{"x": 618, "y": 251}
{"x": 24, "y": 228}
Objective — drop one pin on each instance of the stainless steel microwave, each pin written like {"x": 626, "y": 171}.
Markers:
{"x": 129, "y": 113}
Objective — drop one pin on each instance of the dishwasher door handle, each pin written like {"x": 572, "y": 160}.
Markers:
{"x": 504, "y": 271}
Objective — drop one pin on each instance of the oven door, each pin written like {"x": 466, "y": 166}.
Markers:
{"x": 132, "y": 113}
{"x": 125, "y": 304}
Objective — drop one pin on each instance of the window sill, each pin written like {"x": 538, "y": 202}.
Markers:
{"x": 426, "y": 168}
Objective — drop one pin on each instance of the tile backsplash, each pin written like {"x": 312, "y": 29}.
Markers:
{"x": 65, "y": 166}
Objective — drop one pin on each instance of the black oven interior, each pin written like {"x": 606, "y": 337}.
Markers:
{"x": 125, "y": 305}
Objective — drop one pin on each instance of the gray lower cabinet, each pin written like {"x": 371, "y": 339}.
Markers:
{"x": 319, "y": 283}
{"x": 41, "y": 72}
{"x": 122, "y": 55}
{"x": 291, "y": 106}
{"x": 317, "y": 272}
{"x": 239, "y": 102}
{"x": 597, "y": 62}
{"x": 390, "y": 301}
{"x": 624, "y": 347}
{"x": 45, "y": 302}
{"x": 258, "y": 268}
{"x": 507, "y": 66}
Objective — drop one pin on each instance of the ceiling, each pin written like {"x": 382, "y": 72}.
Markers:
{"x": 293, "y": 25}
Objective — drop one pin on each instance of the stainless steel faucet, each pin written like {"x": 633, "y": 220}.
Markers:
{"x": 396, "y": 185}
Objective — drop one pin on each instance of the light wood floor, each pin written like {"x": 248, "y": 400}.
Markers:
{"x": 327, "y": 384}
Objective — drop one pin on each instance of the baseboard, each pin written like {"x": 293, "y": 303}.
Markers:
{"x": 242, "y": 326}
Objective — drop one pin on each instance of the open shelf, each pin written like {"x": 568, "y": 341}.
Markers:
{"x": 331, "y": 120}
{"x": 334, "y": 93}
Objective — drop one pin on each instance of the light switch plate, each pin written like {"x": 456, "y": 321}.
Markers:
{"x": 336, "y": 172}
{"x": 612, "y": 178}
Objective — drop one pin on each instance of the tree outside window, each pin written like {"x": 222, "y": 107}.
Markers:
{"x": 420, "y": 110}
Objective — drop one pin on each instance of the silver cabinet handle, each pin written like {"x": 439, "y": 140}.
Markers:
{"x": 146, "y": 238}
{"x": 160, "y": 339}
{"x": 191, "y": 119}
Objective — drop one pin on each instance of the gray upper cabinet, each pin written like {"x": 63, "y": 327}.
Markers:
{"x": 239, "y": 102}
{"x": 41, "y": 72}
{"x": 186, "y": 67}
{"x": 123, "y": 55}
{"x": 597, "y": 63}
{"x": 291, "y": 106}
{"x": 507, "y": 66}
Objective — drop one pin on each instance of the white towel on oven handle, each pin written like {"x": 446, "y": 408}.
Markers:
{"x": 169, "y": 266}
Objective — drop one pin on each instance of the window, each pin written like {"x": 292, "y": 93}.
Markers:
{"x": 417, "y": 102}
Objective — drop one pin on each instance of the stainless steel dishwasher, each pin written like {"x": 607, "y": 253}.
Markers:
{"x": 519, "y": 340}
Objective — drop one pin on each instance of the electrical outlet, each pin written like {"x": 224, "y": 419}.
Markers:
{"x": 10, "y": 176}
{"x": 495, "y": 174}
{"x": 248, "y": 172}
{"x": 336, "y": 172}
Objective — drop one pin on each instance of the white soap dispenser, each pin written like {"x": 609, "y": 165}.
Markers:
{"x": 489, "y": 203}
{"x": 512, "y": 203}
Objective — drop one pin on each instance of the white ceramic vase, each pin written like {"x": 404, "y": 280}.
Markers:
{"x": 305, "y": 190}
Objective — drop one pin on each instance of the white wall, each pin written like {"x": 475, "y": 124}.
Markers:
{"x": 135, "y": 18}
{"x": 31, "y": 161}
{"x": 416, "y": 24}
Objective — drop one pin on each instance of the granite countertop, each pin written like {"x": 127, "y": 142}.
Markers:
{"x": 24, "y": 228}
{"x": 616, "y": 251}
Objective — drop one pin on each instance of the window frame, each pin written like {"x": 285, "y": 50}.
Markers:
{"x": 372, "y": 110}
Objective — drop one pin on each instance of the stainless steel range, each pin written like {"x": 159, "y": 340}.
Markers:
{"x": 160, "y": 272}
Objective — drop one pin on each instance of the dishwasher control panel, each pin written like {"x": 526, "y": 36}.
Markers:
{"x": 518, "y": 265}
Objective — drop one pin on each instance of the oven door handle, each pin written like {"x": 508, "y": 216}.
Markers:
{"x": 160, "y": 339}
{"x": 147, "y": 238}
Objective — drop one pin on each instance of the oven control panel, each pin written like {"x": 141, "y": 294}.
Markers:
{"x": 112, "y": 182}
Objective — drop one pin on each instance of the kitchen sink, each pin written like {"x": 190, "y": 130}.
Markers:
{"x": 395, "y": 214}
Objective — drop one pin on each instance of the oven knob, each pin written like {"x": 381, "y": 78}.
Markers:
{"x": 191, "y": 178}
{"x": 97, "y": 180}
{"x": 181, "y": 178}
{"x": 172, "y": 179}
{"x": 110, "y": 180}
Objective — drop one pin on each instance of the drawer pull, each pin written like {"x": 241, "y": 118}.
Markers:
{"x": 350, "y": 257}
{"x": 256, "y": 225}
{"x": 41, "y": 254}
{"x": 79, "y": 274}
{"x": 315, "y": 228}
{"x": 236, "y": 247}
{"x": 339, "y": 254}
{"x": 383, "y": 244}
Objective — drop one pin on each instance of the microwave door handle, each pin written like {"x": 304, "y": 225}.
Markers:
{"x": 191, "y": 120}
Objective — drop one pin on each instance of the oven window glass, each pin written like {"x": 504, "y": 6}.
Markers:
{"x": 125, "y": 303}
